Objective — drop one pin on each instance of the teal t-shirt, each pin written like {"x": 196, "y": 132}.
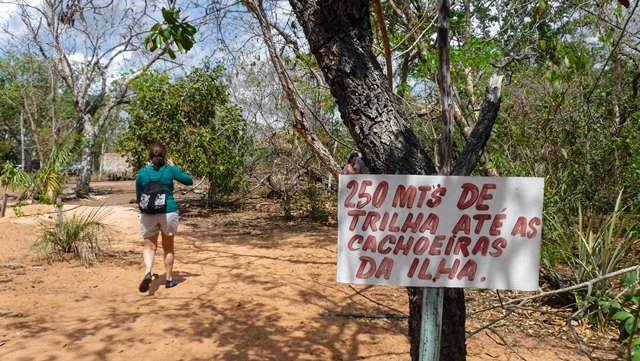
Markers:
{"x": 166, "y": 175}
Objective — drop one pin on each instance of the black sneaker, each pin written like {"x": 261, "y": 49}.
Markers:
{"x": 171, "y": 283}
{"x": 146, "y": 281}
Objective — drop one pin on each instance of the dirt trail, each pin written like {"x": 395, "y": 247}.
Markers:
{"x": 253, "y": 287}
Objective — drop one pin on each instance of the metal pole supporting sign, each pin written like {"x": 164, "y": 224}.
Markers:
{"x": 431, "y": 323}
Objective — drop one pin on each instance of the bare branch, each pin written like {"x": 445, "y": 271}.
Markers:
{"x": 299, "y": 124}
{"x": 482, "y": 131}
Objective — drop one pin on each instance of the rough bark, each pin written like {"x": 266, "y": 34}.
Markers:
{"x": 87, "y": 159}
{"x": 339, "y": 35}
{"x": 444, "y": 88}
{"x": 465, "y": 131}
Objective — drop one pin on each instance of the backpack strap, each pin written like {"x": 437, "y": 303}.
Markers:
{"x": 149, "y": 175}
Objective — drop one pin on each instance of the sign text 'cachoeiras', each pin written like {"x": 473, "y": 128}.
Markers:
{"x": 440, "y": 231}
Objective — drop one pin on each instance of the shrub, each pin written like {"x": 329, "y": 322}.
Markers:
{"x": 83, "y": 236}
{"x": 623, "y": 310}
{"x": 315, "y": 204}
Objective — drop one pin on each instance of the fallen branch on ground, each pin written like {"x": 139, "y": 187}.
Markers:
{"x": 362, "y": 315}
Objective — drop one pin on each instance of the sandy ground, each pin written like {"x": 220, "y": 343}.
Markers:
{"x": 252, "y": 287}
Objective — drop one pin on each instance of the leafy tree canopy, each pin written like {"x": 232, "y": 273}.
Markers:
{"x": 204, "y": 132}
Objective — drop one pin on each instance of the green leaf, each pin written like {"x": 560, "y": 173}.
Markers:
{"x": 635, "y": 351}
{"x": 621, "y": 315}
{"x": 189, "y": 29}
{"x": 541, "y": 8}
{"x": 628, "y": 325}
{"x": 166, "y": 35}
{"x": 158, "y": 41}
{"x": 169, "y": 16}
{"x": 180, "y": 47}
{"x": 630, "y": 278}
{"x": 171, "y": 53}
{"x": 187, "y": 44}
{"x": 148, "y": 41}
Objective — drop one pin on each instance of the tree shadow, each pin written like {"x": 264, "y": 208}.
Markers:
{"x": 256, "y": 297}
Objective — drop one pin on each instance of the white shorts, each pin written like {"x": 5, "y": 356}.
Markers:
{"x": 152, "y": 224}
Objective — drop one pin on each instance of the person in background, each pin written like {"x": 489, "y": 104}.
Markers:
{"x": 349, "y": 167}
{"x": 151, "y": 225}
{"x": 359, "y": 166}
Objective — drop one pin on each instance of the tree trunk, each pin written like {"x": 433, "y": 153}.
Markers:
{"x": 87, "y": 161}
{"x": 23, "y": 144}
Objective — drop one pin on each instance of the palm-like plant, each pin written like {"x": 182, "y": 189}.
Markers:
{"x": 603, "y": 246}
{"x": 13, "y": 178}
{"x": 46, "y": 184}
{"x": 48, "y": 181}
{"x": 84, "y": 236}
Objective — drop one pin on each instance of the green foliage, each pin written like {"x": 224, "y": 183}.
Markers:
{"x": 84, "y": 237}
{"x": 5, "y": 150}
{"x": 17, "y": 210}
{"x": 47, "y": 183}
{"x": 204, "y": 133}
{"x": 603, "y": 248}
{"x": 602, "y": 243}
{"x": 28, "y": 92}
{"x": 622, "y": 309}
{"x": 173, "y": 29}
{"x": 314, "y": 200}
{"x": 11, "y": 177}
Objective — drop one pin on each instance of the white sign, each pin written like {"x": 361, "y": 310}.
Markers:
{"x": 440, "y": 231}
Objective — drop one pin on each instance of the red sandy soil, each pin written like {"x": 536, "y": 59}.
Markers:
{"x": 252, "y": 287}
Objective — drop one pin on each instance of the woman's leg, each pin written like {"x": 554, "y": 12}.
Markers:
{"x": 167, "y": 248}
{"x": 150, "y": 245}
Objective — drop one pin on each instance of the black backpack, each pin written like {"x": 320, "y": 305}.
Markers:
{"x": 153, "y": 198}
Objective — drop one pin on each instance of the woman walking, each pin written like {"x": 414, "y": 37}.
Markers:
{"x": 163, "y": 219}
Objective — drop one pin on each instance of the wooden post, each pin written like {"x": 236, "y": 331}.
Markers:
{"x": 59, "y": 209}
{"x": 3, "y": 208}
{"x": 431, "y": 326}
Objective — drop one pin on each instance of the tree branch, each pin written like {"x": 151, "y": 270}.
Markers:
{"x": 385, "y": 41}
{"x": 482, "y": 131}
{"x": 299, "y": 123}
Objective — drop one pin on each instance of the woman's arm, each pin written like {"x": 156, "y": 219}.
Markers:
{"x": 181, "y": 176}
{"x": 138, "y": 186}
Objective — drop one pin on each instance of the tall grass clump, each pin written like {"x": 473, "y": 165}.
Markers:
{"x": 85, "y": 237}
{"x": 604, "y": 243}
